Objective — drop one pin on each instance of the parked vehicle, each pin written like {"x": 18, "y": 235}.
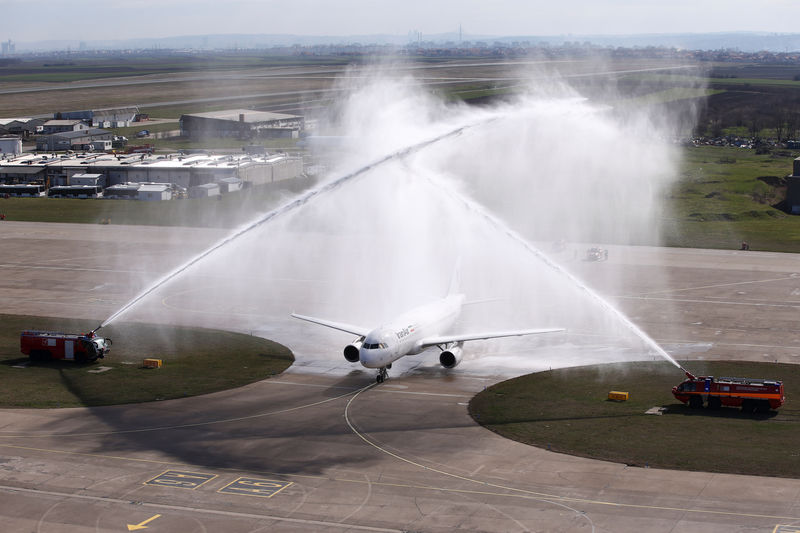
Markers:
{"x": 47, "y": 345}
{"x": 752, "y": 395}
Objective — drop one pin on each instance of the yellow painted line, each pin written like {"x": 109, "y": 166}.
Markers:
{"x": 515, "y": 492}
{"x": 141, "y": 525}
{"x": 180, "y": 479}
{"x": 248, "y": 486}
{"x": 214, "y": 512}
{"x": 786, "y": 529}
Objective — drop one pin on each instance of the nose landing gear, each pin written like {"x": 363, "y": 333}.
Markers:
{"x": 382, "y": 375}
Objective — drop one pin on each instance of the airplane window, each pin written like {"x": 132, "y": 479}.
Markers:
{"x": 383, "y": 345}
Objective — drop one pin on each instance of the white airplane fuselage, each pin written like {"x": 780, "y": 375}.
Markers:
{"x": 403, "y": 335}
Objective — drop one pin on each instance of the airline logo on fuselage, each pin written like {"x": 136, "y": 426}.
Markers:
{"x": 404, "y": 332}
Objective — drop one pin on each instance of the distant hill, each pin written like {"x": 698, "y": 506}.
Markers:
{"x": 741, "y": 41}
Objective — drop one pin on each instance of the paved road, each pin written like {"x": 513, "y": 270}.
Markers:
{"x": 320, "y": 448}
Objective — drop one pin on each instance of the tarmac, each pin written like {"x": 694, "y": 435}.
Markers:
{"x": 322, "y": 448}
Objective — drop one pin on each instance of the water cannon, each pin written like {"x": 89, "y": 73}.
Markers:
{"x": 688, "y": 374}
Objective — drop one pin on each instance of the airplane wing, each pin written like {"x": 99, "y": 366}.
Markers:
{"x": 347, "y": 328}
{"x": 447, "y": 339}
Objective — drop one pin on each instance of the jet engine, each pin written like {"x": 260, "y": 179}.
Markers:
{"x": 451, "y": 357}
{"x": 351, "y": 351}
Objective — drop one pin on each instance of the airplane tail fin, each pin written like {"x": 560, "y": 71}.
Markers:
{"x": 455, "y": 280}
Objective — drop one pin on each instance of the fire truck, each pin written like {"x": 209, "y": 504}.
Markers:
{"x": 46, "y": 345}
{"x": 752, "y": 395}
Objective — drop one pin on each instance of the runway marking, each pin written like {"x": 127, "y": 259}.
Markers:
{"x": 201, "y": 510}
{"x": 715, "y": 302}
{"x": 249, "y": 486}
{"x": 180, "y": 479}
{"x": 786, "y": 529}
{"x": 353, "y": 390}
{"x": 179, "y": 426}
{"x": 142, "y": 524}
{"x": 79, "y": 269}
{"x": 718, "y": 285}
{"x": 516, "y": 492}
{"x": 533, "y": 495}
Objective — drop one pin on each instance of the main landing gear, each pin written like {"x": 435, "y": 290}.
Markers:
{"x": 382, "y": 375}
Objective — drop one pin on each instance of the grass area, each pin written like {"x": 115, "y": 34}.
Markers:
{"x": 130, "y": 132}
{"x": 77, "y": 69}
{"x": 726, "y": 195}
{"x": 225, "y": 211}
{"x": 196, "y": 361}
{"x": 567, "y": 411}
{"x": 673, "y": 94}
{"x": 754, "y": 81}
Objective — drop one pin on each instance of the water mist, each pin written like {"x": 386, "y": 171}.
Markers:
{"x": 544, "y": 168}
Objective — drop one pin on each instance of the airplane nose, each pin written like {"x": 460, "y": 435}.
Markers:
{"x": 369, "y": 358}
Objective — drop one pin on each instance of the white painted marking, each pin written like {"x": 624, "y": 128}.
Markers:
{"x": 381, "y": 389}
{"x": 732, "y": 284}
{"x": 66, "y": 495}
{"x": 714, "y": 302}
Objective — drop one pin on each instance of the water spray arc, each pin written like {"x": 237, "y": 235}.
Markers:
{"x": 298, "y": 202}
{"x": 500, "y": 226}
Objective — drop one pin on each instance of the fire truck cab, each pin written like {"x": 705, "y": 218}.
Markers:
{"x": 46, "y": 345}
{"x": 752, "y": 395}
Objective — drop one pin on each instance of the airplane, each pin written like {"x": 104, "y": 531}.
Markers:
{"x": 413, "y": 332}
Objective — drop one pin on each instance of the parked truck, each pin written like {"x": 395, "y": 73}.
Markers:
{"x": 752, "y": 395}
{"x": 47, "y": 345}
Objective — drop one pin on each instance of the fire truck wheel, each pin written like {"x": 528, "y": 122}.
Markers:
{"x": 748, "y": 406}
{"x": 762, "y": 406}
{"x": 714, "y": 403}
{"x": 90, "y": 354}
{"x": 695, "y": 402}
{"x": 39, "y": 355}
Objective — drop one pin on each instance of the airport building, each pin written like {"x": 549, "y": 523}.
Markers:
{"x": 793, "y": 189}
{"x": 118, "y": 117}
{"x": 24, "y": 127}
{"x": 182, "y": 172}
{"x": 10, "y": 144}
{"x": 241, "y": 124}
{"x": 94, "y": 138}
{"x": 63, "y": 126}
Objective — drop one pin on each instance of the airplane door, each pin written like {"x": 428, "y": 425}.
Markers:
{"x": 69, "y": 349}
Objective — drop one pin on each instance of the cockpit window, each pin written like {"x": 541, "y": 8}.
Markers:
{"x": 375, "y": 346}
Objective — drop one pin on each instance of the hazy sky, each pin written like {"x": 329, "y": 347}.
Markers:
{"x": 27, "y": 20}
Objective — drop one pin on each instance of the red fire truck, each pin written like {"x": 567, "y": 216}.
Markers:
{"x": 752, "y": 395}
{"x": 46, "y": 345}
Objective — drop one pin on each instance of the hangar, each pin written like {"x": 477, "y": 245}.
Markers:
{"x": 241, "y": 124}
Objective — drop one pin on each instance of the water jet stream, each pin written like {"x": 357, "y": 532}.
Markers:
{"x": 298, "y": 202}
{"x": 500, "y": 226}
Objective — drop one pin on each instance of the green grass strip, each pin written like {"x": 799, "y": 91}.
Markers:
{"x": 568, "y": 411}
{"x": 195, "y": 361}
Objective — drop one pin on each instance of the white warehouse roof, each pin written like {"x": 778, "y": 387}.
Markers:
{"x": 249, "y": 115}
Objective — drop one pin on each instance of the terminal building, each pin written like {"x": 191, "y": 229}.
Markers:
{"x": 180, "y": 172}
{"x": 241, "y": 124}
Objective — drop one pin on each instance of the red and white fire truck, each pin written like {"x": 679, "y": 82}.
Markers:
{"x": 46, "y": 345}
{"x": 752, "y": 395}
